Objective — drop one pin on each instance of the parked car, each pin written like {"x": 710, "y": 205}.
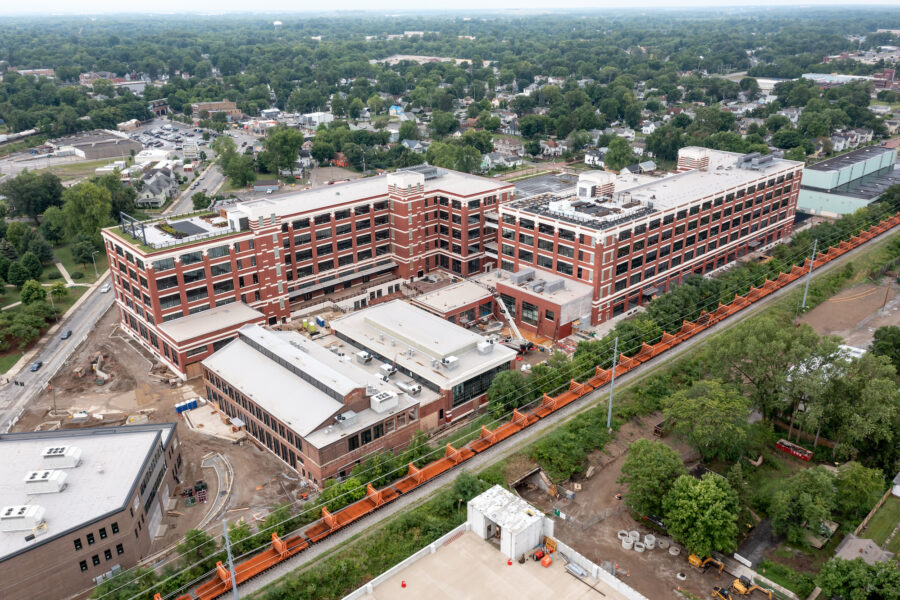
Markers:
{"x": 36, "y": 365}
{"x": 66, "y": 334}
{"x": 105, "y": 288}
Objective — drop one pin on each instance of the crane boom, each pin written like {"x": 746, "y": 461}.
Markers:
{"x": 524, "y": 345}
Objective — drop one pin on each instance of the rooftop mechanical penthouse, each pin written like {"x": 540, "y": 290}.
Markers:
{"x": 185, "y": 285}
{"x": 614, "y": 242}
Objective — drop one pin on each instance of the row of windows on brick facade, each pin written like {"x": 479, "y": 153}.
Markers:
{"x": 107, "y": 554}
{"x": 114, "y": 527}
{"x": 647, "y": 247}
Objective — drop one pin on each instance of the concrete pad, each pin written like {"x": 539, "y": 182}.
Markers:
{"x": 470, "y": 567}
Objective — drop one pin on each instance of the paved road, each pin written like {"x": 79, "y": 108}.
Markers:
{"x": 529, "y": 436}
{"x": 54, "y": 352}
{"x": 212, "y": 180}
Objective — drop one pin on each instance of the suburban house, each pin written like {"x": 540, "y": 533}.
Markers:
{"x": 594, "y": 158}
{"x": 158, "y": 185}
{"x": 552, "y": 148}
{"x": 492, "y": 160}
{"x": 415, "y": 146}
{"x": 266, "y": 185}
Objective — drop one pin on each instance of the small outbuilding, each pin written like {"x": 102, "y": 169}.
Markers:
{"x": 503, "y": 518}
{"x": 896, "y": 489}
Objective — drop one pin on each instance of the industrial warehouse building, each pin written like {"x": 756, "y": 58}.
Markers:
{"x": 322, "y": 406}
{"x": 78, "y": 506}
{"x": 500, "y": 528}
{"x": 841, "y": 185}
{"x": 280, "y": 253}
{"x": 621, "y": 240}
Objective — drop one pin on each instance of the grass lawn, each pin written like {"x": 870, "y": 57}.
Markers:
{"x": 884, "y": 521}
{"x": 77, "y": 170}
{"x": 767, "y": 479}
{"x": 8, "y": 360}
{"x": 64, "y": 254}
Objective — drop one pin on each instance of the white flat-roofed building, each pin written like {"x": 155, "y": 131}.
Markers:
{"x": 320, "y": 409}
{"x": 77, "y": 506}
{"x": 464, "y": 302}
{"x": 631, "y": 237}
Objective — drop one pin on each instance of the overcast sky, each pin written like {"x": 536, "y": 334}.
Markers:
{"x": 285, "y": 7}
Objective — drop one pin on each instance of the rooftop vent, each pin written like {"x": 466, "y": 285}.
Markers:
{"x": 45, "y": 482}
{"x": 346, "y": 419}
{"x": 451, "y": 362}
{"x": 61, "y": 457}
{"x": 384, "y": 401}
{"x": 21, "y": 518}
{"x": 485, "y": 347}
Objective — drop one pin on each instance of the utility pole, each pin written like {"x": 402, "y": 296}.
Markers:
{"x": 96, "y": 275}
{"x": 809, "y": 275}
{"x": 234, "y": 591}
{"x": 612, "y": 384}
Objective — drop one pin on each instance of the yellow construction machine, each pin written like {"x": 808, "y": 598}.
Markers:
{"x": 704, "y": 563}
{"x": 720, "y": 593}
{"x": 742, "y": 586}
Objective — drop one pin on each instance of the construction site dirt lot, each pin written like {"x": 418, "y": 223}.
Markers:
{"x": 596, "y": 515}
{"x": 132, "y": 395}
{"x": 857, "y": 312}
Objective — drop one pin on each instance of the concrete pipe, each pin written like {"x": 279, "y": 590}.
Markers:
{"x": 639, "y": 547}
{"x": 628, "y": 543}
{"x": 662, "y": 543}
{"x": 674, "y": 550}
{"x": 634, "y": 535}
{"x": 680, "y": 576}
{"x": 622, "y": 534}
{"x": 650, "y": 541}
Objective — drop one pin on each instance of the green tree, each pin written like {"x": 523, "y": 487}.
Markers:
{"x": 130, "y": 583}
{"x": 857, "y": 580}
{"x": 15, "y": 234}
{"x": 409, "y": 131}
{"x": 802, "y": 504}
{"x": 702, "y": 514}
{"x": 81, "y": 252}
{"x": 87, "y": 207}
{"x": 758, "y": 355}
{"x": 32, "y": 291}
{"x": 17, "y": 274}
{"x": 886, "y": 342}
{"x": 4, "y": 267}
{"x": 284, "y": 144}
{"x": 648, "y": 470}
{"x": 858, "y": 489}
{"x": 354, "y": 109}
{"x": 53, "y": 225}
{"x": 59, "y": 290}
{"x": 8, "y": 250}
{"x": 40, "y": 248}
{"x": 104, "y": 87}
{"x": 711, "y": 417}
{"x": 508, "y": 390}
{"x": 322, "y": 151}
{"x": 200, "y": 201}
{"x": 619, "y": 154}
{"x": 240, "y": 170}
{"x": 199, "y": 550}
{"x": 30, "y": 194}
{"x": 442, "y": 123}
{"x": 33, "y": 264}
{"x": 665, "y": 142}
{"x": 375, "y": 104}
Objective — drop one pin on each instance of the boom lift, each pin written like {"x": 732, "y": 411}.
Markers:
{"x": 704, "y": 563}
{"x": 744, "y": 587}
{"x": 522, "y": 346}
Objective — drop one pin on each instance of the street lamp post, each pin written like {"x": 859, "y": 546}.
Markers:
{"x": 96, "y": 275}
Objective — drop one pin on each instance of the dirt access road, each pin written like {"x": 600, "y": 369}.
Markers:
{"x": 857, "y": 312}
{"x": 260, "y": 480}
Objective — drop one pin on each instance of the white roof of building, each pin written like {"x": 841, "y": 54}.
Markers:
{"x": 506, "y": 509}
{"x": 308, "y": 201}
{"x": 112, "y": 458}
{"x": 447, "y": 299}
{"x": 208, "y": 321}
{"x": 414, "y": 339}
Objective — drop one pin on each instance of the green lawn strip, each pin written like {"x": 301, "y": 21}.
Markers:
{"x": 799, "y": 583}
{"x": 11, "y": 295}
{"x": 884, "y": 521}
{"x": 64, "y": 255}
{"x": 8, "y": 360}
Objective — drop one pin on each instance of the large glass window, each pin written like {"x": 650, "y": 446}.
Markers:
{"x": 530, "y": 313}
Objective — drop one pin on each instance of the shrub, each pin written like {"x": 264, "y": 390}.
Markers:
{"x": 76, "y": 275}
{"x": 54, "y": 275}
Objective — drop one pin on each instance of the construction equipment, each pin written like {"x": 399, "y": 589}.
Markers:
{"x": 522, "y": 346}
{"x": 744, "y": 587}
{"x": 704, "y": 563}
{"x": 721, "y": 593}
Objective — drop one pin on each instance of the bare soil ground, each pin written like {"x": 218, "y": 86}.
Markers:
{"x": 856, "y": 313}
{"x": 652, "y": 573}
{"x": 261, "y": 482}
{"x": 322, "y": 175}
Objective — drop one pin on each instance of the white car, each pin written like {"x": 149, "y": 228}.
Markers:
{"x": 105, "y": 289}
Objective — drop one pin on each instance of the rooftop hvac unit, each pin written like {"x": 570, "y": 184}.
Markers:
{"x": 555, "y": 285}
{"x": 387, "y": 369}
{"x": 21, "y": 518}
{"x": 346, "y": 419}
{"x": 383, "y": 402}
{"x": 371, "y": 390}
{"x": 485, "y": 347}
{"x": 45, "y": 482}
{"x": 451, "y": 362}
{"x": 61, "y": 457}
{"x": 363, "y": 357}
{"x": 409, "y": 387}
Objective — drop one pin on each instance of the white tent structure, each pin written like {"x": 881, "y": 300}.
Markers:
{"x": 499, "y": 515}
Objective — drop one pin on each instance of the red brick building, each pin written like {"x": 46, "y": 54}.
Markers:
{"x": 630, "y": 238}
{"x": 286, "y": 249}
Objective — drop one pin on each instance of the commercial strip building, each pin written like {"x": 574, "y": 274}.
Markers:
{"x": 322, "y": 406}
{"x": 232, "y": 112}
{"x": 624, "y": 239}
{"x": 78, "y": 506}
{"x": 499, "y": 529}
{"x": 283, "y": 250}
{"x": 843, "y": 184}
